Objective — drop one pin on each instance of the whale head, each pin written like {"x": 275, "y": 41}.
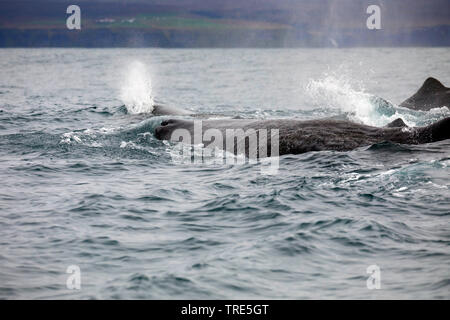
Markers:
{"x": 438, "y": 131}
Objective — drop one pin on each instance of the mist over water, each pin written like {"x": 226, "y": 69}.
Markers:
{"x": 136, "y": 91}
{"x": 86, "y": 183}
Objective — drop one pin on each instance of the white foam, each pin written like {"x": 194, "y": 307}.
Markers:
{"x": 130, "y": 145}
{"x": 86, "y": 137}
{"x": 337, "y": 92}
{"x": 444, "y": 111}
{"x": 342, "y": 93}
{"x": 136, "y": 89}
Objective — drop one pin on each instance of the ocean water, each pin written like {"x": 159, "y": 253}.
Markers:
{"x": 84, "y": 182}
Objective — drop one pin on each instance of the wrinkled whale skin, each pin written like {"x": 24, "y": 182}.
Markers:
{"x": 432, "y": 94}
{"x": 296, "y": 136}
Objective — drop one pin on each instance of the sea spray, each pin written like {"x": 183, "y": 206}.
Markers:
{"x": 136, "y": 90}
{"x": 334, "y": 91}
{"x": 338, "y": 91}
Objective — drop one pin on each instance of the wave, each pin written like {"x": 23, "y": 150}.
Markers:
{"x": 338, "y": 91}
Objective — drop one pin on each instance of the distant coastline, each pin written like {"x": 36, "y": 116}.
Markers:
{"x": 198, "y": 25}
{"x": 105, "y": 37}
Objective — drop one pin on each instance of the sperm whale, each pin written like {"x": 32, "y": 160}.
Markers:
{"x": 297, "y": 136}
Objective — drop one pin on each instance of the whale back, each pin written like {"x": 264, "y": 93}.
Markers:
{"x": 163, "y": 110}
{"x": 438, "y": 131}
{"x": 432, "y": 94}
{"x": 296, "y": 136}
{"x": 397, "y": 123}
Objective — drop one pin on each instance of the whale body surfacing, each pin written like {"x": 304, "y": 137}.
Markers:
{"x": 296, "y": 136}
{"x": 163, "y": 110}
{"x": 432, "y": 94}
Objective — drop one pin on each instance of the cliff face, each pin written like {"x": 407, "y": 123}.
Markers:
{"x": 232, "y": 23}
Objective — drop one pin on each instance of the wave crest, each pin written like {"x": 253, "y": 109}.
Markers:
{"x": 342, "y": 93}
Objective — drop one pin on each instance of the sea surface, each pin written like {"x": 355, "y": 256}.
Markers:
{"x": 84, "y": 182}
